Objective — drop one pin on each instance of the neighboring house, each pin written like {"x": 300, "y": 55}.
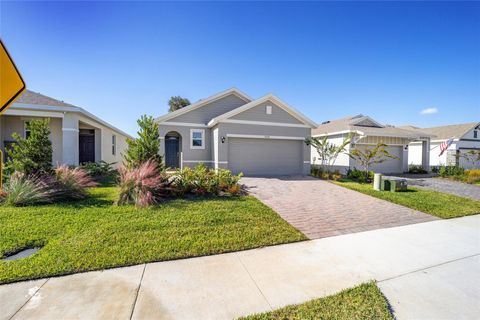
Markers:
{"x": 231, "y": 130}
{"x": 367, "y": 133}
{"x": 77, "y": 136}
{"x": 465, "y": 137}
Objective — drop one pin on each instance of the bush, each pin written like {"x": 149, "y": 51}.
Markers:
{"x": 23, "y": 190}
{"x": 472, "y": 176}
{"x": 449, "y": 171}
{"x": 99, "y": 169}
{"x": 32, "y": 155}
{"x": 320, "y": 172}
{"x": 143, "y": 186}
{"x": 359, "y": 175}
{"x": 415, "y": 169}
{"x": 72, "y": 183}
{"x": 202, "y": 180}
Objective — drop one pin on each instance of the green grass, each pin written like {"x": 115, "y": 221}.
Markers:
{"x": 94, "y": 234}
{"x": 365, "y": 301}
{"x": 439, "y": 204}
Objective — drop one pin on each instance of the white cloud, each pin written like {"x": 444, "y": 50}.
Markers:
{"x": 429, "y": 111}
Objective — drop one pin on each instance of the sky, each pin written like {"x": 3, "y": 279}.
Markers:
{"x": 399, "y": 62}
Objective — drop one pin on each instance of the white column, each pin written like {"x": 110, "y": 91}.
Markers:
{"x": 405, "y": 158}
{"x": 70, "y": 133}
{"x": 426, "y": 154}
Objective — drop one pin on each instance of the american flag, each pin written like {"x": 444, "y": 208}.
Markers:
{"x": 444, "y": 146}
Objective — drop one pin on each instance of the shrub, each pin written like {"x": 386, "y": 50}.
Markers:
{"x": 448, "y": 171}
{"x": 23, "y": 190}
{"x": 416, "y": 169}
{"x": 31, "y": 155}
{"x": 99, "y": 169}
{"x": 202, "y": 180}
{"x": 146, "y": 146}
{"x": 320, "y": 172}
{"x": 72, "y": 183}
{"x": 472, "y": 176}
{"x": 359, "y": 175}
{"x": 143, "y": 186}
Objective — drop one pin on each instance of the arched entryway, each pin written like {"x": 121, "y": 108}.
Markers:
{"x": 173, "y": 147}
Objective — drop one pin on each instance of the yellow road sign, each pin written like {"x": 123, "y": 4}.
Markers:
{"x": 11, "y": 82}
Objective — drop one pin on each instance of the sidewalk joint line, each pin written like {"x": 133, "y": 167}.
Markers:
{"x": 23, "y": 305}
{"x": 253, "y": 280}
{"x": 429, "y": 267}
{"x": 138, "y": 291}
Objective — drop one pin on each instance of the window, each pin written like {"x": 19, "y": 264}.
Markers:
{"x": 26, "y": 130}
{"x": 268, "y": 109}
{"x": 197, "y": 139}
{"x": 475, "y": 134}
{"x": 114, "y": 145}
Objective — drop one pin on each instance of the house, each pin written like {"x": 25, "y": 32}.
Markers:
{"x": 367, "y": 133}
{"x": 230, "y": 130}
{"x": 465, "y": 137}
{"x": 77, "y": 135}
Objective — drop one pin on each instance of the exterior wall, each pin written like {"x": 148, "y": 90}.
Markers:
{"x": 190, "y": 157}
{"x": 415, "y": 153}
{"x": 258, "y": 113}
{"x": 206, "y": 113}
{"x": 64, "y": 137}
{"x": 232, "y": 128}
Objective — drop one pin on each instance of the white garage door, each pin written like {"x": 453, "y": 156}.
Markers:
{"x": 390, "y": 165}
{"x": 257, "y": 157}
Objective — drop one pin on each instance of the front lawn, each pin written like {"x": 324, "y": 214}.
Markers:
{"x": 93, "y": 234}
{"x": 365, "y": 301}
{"x": 439, "y": 204}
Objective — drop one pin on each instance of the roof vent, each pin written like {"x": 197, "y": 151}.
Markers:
{"x": 325, "y": 122}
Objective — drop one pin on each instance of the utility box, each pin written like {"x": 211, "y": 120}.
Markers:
{"x": 377, "y": 181}
{"x": 393, "y": 185}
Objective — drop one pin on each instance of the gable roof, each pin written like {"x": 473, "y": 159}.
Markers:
{"x": 455, "y": 131}
{"x": 30, "y": 100}
{"x": 30, "y": 97}
{"x": 354, "y": 124}
{"x": 204, "y": 102}
{"x": 269, "y": 97}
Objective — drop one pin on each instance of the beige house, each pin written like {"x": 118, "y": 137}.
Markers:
{"x": 77, "y": 135}
{"x": 464, "y": 137}
{"x": 366, "y": 134}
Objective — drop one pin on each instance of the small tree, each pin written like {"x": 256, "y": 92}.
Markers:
{"x": 371, "y": 156}
{"x": 327, "y": 151}
{"x": 33, "y": 154}
{"x": 177, "y": 102}
{"x": 146, "y": 146}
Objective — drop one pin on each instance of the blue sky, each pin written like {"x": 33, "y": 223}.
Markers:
{"x": 329, "y": 59}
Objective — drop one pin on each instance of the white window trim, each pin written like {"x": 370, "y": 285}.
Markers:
{"x": 268, "y": 109}
{"x": 25, "y": 128}
{"x": 202, "y": 131}
{"x": 114, "y": 145}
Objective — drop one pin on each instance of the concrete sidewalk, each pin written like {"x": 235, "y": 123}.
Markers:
{"x": 426, "y": 270}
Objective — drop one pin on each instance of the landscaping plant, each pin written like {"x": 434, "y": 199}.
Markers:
{"x": 328, "y": 152}
{"x": 359, "y": 176}
{"x": 72, "y": 183}
{"x": 146, "y": 146}
{"x": 143, "y": 186}
{"x": 23, "y": 190}
{"x": 371, "y": 156}
{"x": 320, "y": 172}
{"x": 415, "y": 169}
{"x": 33, "y": 154}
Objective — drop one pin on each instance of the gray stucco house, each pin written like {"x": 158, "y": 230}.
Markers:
{"x": 233, "y": 131}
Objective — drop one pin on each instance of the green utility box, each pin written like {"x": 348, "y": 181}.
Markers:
{"x": 393, "y": 185}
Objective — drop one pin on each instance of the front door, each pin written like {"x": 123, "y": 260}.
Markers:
{"x": 87, "y": 148}
{"x": 172, "y": 152}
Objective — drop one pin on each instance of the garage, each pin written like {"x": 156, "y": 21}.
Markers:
{"x": 390, "y": 165}
{"x": 264, "y": 157}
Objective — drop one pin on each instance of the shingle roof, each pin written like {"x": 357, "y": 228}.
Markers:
{"x": 30, "y": 97}
{"x": 350, "y": 124}
{"x": 455, "y": 131}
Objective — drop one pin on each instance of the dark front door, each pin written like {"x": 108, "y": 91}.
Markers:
{"x": 172, "y": 152}
{"x": 87, "y": 148}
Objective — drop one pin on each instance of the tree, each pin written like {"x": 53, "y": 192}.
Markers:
{"x": 33, "y": 154}
{"x": 472, "y": 156}
{"x": 177, "y": 102}
{"x": 371, "y": 156}
{"x": 328, "y": 152}
{"x": 146, "y": 146}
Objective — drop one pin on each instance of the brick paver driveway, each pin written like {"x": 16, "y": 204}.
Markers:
{"x": 321, "y": 209}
